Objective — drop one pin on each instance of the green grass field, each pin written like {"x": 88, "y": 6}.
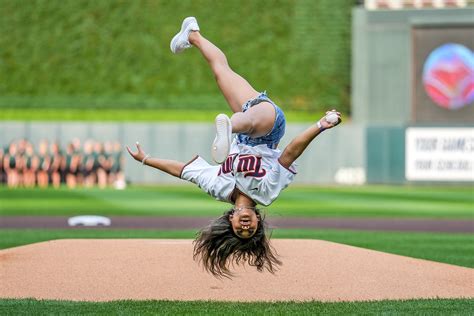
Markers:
{"x": 410, "y": 307}
{"x": 132, "y": 115}
{"x": 367, "y": 201}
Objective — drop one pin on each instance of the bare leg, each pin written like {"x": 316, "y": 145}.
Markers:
{"x": 235, "y": 89}
{"x": 257, "y": 121}
{"x": 71, "y": 181}
{"x": 56, "y": 179}
{"x": 43, "y": 179}
{"x": 102, "y": 178}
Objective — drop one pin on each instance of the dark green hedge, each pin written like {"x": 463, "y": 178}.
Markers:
{"x": 113, "y": 53}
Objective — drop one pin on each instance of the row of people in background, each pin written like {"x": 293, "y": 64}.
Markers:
{"x": 93, "y": 163}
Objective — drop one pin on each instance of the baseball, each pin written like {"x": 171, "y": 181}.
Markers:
{"x": 332, "y": 118}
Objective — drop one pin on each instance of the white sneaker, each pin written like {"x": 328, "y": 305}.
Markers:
{"x": 221, "y": 146}
{"x": 181, "y": 40}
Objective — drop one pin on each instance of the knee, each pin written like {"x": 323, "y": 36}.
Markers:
{"x": 242, "y": 123}
{"x": 262, "y": 117}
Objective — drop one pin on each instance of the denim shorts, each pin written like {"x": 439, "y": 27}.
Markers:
{"x": 273, "y": 137}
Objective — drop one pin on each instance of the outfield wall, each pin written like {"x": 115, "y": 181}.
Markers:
{"x": 389, "y": 48}
{"x": 336, "y": 152}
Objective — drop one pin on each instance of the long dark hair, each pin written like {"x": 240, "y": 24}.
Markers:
{"x": 217, "y": 247}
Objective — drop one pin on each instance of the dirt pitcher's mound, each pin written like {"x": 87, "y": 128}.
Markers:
{"x": 139, "y": 269}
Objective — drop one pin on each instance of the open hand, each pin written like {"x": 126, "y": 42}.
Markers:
{"x": 138, "y": 156}
{"x": 325, "y": 124}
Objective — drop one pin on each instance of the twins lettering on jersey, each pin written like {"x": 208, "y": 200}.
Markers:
{"x": 249, "y": 165}
{"x": 226, "y": 166}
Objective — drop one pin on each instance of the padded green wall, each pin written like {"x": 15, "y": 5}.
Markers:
{"x": 385, "y": 154}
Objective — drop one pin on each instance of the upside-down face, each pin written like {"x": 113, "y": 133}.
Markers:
{"x": 244, "y": 221}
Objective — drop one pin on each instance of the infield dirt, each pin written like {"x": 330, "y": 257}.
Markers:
{"x": 142, "y": 269}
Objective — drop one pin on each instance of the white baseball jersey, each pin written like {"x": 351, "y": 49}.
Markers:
{"x": 254, "y": 171}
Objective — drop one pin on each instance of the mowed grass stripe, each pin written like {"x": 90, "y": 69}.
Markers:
{"x": 187, "y": 200}
{"x": 449, "y": 248}
{"x": 132, "y": 115}
{"x": 394, "y": 307}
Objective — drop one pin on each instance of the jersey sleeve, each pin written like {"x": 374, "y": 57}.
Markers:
{"x": 200, "y": 172}
{"x": 206, "y": 177}
{"x": 276, "y": 181}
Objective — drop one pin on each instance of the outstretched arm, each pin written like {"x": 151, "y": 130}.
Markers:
{"x": 296, "y": 147}
{"x": 171, "y": 167}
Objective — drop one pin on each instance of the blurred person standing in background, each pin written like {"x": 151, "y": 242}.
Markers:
{"x": 20, "y": 166}
{"x": 2, "y": 169}
{"x": 117, "y": 178}
{"x": 55, "y": 165}
{"x": 69, "y": 167}
{"x": 11, "y": 164}
{"x": 108, "y": 161}
{"x": 87, "y": 164}
{"x": 76, "y": 143}
{"x": 100, "y": 165}
{"x": 43, "y": 164}
{"x": 30, "y": 166}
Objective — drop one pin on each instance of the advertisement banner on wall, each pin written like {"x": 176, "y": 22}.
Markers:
{"x": 439, "y": 154}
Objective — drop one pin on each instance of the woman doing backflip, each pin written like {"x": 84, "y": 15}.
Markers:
{"x": 251, "y": 170}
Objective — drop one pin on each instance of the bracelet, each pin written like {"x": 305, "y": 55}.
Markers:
{"x": 321, "y": 128}
{"x": 145, "y": 158}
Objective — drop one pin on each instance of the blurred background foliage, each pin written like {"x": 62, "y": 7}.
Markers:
{"x": 115, "y": 53}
